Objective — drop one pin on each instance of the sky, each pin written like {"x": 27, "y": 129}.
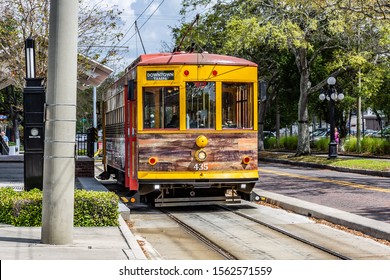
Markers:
{"x": 157, "y": 16}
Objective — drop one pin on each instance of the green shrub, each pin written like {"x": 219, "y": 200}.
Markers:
{"x": 350, "y": 144}
{"x": 90, "y": 208}
{"x": 369, "y": 145}
{"x": 385, "y": 146}
{"x": 322, "y": 144}
{"x": 27, "y": 209}
{"x": 286, "y": 143}
{"x": 270, "y": 143}
{"x": 289, "y": 142}
{"x": 95, "y": 208}
{"x": 7, "y": 198}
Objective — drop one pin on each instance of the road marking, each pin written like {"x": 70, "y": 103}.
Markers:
{"x": 338, "y": 182}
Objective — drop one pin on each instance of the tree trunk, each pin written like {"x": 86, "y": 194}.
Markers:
{"x": 303, "y": 147}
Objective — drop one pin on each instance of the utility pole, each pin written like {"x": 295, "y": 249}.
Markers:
{"x": 60, "y": 124}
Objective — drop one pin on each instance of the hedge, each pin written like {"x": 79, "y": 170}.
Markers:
{"x": 91, "y": 208}
{"x": 285, "y": 143}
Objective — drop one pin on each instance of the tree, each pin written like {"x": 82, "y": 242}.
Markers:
{"x": 30, "y": 18}
{"x": 380, "y": 102}
{"x": 307, "y": 29}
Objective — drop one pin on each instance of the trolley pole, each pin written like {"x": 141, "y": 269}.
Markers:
{"x": 60, "y": 124}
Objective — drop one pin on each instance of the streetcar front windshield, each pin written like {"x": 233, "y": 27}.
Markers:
{"x": 237, "y": 105}
{"x": 161, "y": 107}
{"x": 200, "y": 98}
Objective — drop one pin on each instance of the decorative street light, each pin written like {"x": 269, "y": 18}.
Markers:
{"x": 30, "y": 58}
{"x": 332, "y": 95}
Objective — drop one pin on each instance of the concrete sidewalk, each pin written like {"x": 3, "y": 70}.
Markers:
{"x": 89, "y": 243}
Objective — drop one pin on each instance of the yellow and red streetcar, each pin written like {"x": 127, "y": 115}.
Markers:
{"x": 181, "y": 128}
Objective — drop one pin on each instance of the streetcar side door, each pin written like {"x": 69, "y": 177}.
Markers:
{"x": 131, "y": 136}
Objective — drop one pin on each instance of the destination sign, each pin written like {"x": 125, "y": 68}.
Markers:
{"x": 160, "y": 75}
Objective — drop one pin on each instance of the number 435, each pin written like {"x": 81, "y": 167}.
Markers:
{"x": 201, "y": 166}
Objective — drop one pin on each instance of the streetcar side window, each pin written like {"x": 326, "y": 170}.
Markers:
{"x": 237, "y": 105}
{"x": 160, "y": 107}
{"x": 200, "y": 98}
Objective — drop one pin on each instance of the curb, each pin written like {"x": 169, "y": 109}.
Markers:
{"x": 367, "y": 226}
{"x": 136, "y": 250}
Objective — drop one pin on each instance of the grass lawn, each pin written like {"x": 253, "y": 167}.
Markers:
{"x": 354, "y": 163}
{"x": 367, "y": 164}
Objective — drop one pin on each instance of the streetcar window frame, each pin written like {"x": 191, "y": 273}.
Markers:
{"x": 201, "y": 105}
{"x": 160, "y": 106}
{"x": 237, "y": 105}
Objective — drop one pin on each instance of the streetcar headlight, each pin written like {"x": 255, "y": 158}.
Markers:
{"x": 200, "y": 155}
{"x": 157, "y": 187}
{"x": 243, "y": 186}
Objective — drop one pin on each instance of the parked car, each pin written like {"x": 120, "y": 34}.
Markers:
{"x": 385, "y": 133}
{"x": 269, "y": 134}
{"x": 369, "y": 132}
{"x": 319, "y": 133}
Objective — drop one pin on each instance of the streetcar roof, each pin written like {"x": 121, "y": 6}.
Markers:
{"x": 181, "y": 58}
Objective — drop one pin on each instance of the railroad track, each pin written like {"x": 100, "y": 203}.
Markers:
{"x": 228, "y": 253}
{"x": 209, "y": 243}
{"x": 289, "y": 234}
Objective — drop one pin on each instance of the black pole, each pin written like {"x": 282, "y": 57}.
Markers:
{"x": 33, "y": 107}
{"x": 332, "y": 153}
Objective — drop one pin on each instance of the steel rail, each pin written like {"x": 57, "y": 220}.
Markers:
{"x": 201, "y": 237}
{"x": 289, "y": 234}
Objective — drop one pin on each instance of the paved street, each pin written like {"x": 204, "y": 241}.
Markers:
{"x": 11, "y": 174}
{"x": 368, "y": 196}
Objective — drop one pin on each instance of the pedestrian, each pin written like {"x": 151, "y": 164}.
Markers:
{"x": 5, "y": 138}
{"x": 336, "y": 137}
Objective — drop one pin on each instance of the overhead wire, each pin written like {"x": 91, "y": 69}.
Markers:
{"x": 135, "y": 33}
{"x": 122, "y": 45}
{"x": 128, "y": 30}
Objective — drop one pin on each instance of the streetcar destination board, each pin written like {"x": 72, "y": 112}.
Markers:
{"x": 160, "y": 75}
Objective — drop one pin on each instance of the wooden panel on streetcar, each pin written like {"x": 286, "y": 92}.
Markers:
{"x": 176, "y": 152}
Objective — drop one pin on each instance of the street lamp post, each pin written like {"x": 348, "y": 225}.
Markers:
{"x": 332, "y": 96}
{"x": 33, "y": 107}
